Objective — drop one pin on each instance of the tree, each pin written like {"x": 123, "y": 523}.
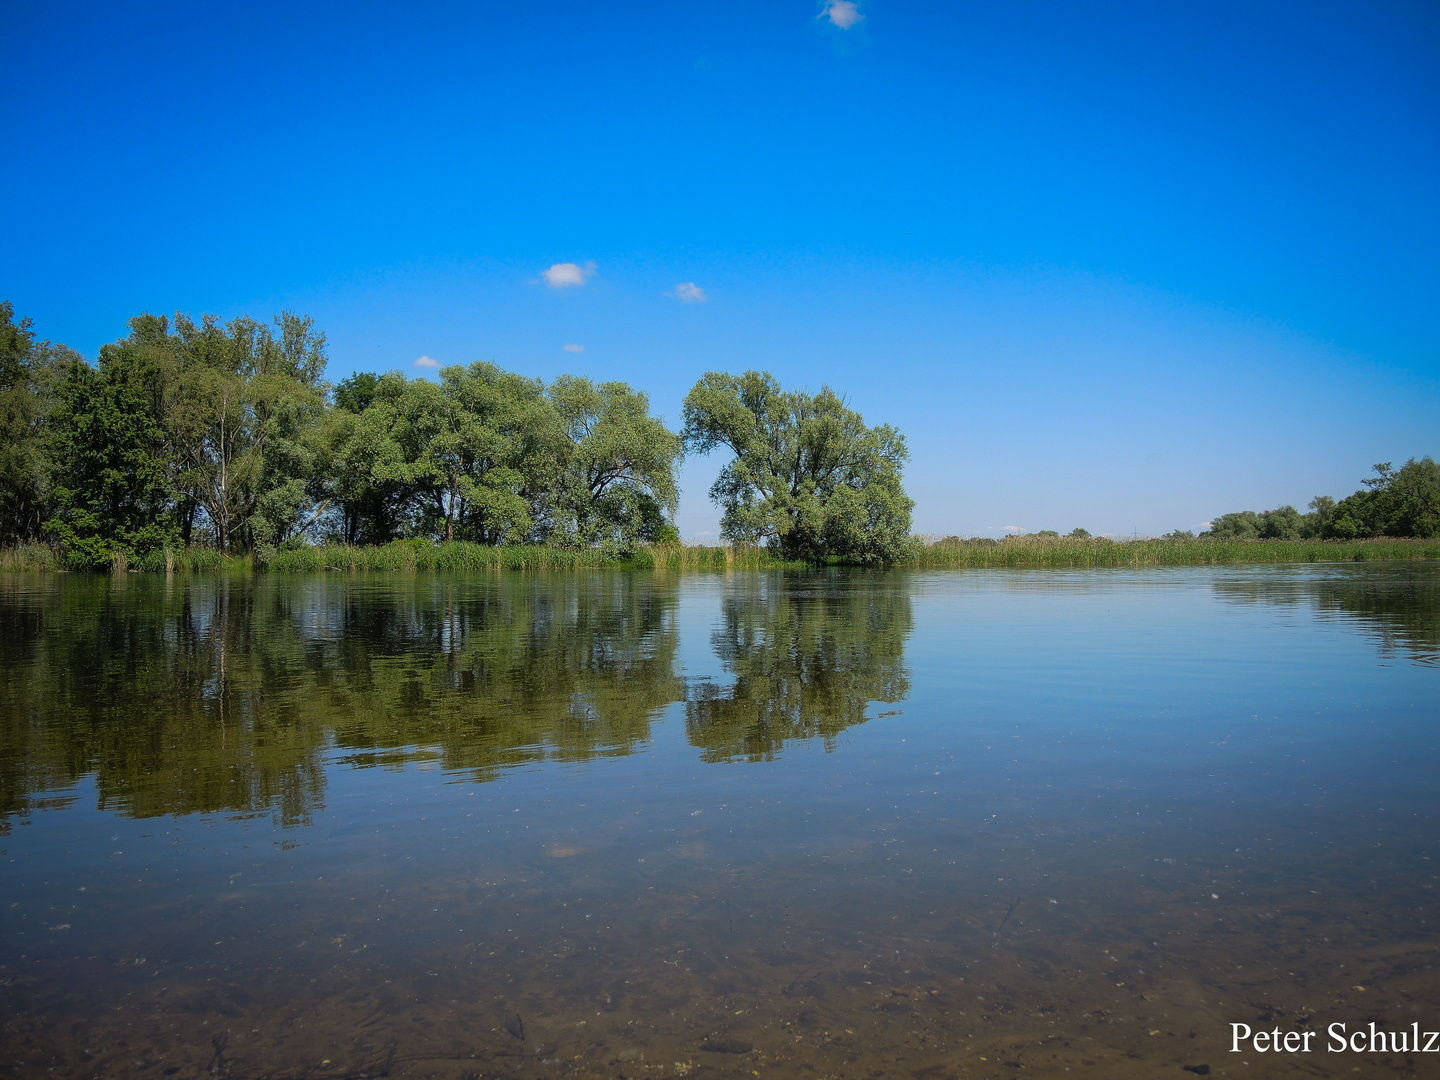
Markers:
{"x": 479, "y": 451}
{"x": 361, "y": 461}
{"x": 1396, "y": 502}
{"x": 29, "y": 372}
{"x": 1079, "y": 534}
{"x": 808, "y": 477}
{"x": 242, "y": 406}
{"x": 112, "y": 491}
{"x": 617, "y": 484}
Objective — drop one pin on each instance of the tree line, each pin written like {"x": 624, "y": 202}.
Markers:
{"x": 226, "y": 435}
{"x": 1403, "y": 502}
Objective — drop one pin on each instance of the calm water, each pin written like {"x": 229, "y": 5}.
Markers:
{"x": 611, "y": 824}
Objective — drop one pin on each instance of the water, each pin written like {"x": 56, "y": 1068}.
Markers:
{"x": 610, "y": 824}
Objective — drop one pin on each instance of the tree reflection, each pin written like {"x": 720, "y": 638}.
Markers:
{"x": 228, "y": 696}
{"x": 808, "y": 654}
{"x": 1398, "y": 604}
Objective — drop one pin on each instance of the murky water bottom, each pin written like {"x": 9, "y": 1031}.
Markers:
{"x": 1053, "y": 882}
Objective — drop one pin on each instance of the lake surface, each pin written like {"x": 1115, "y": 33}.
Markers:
{"x": 839, "y": 824}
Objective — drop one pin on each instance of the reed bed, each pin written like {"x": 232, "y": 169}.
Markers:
{"x": 1041, "y": 551}
{"x": 950, "y": 553}
{"x": 461, "y": 556}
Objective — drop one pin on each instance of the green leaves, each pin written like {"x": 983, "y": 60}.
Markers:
{"x": 808, "y": 476}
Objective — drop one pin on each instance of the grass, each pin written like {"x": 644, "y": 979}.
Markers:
{"x": 950, "y": 553}
{"x": 410, "y": 555}
{"x": 1040, "y": 551}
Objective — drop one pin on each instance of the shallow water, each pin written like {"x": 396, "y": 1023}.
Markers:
{"x": 977, "y": 823}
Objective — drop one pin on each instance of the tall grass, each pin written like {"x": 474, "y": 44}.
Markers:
{"x": 460, "y": 555}
{"x": 1021, "y": 551}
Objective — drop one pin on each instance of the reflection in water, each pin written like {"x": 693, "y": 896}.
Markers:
{"x": 1398, "y": 603}
{"x": 1115, "y": 817}
{"x": 806, "y": 662}
{"x": 208, "y": 696}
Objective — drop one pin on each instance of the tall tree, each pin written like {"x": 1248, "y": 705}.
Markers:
{"x": 617, "y": 487}
{"x": 808, "y": 476}
{"x": 112, "y": 491}
{"x": 242, "y": 410}
{"x": 29, "y": 372}
{"x": 480, "y": 450}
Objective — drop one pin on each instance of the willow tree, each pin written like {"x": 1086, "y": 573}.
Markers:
{"x": 808, "y": 477}
{"x": 616, "y": 486}
{"x": 478, "y": 451}
{"x": 242, "y": 408}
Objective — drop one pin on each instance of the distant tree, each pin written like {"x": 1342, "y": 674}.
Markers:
{"x": 1079, "y": 534}
{"x": 1396, "y": 502}
{"x": 1282, "y": 523}
{"x": 1179, "y": 534}
{"x": 617, "y": 482}
{"x": 1048, "y": 532}
{"x": 808, "y": 477}
{"x": 1393, "y": 502}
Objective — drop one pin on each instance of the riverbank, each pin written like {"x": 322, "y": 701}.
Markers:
{"x": 1015, "y": 552}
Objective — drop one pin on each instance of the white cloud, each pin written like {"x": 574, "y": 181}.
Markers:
{"x": 568, "y": 275}
{"x": 574, "y": 348}
{"x": 687, "y": 292}
{"x": 842, "y": 13}
{"x": 426, "y": 361}
{"x": 1013, "y": 529}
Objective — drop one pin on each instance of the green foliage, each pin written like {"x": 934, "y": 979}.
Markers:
{"x": 29, "y": 372}
{"x": 616, "y": 486}
{"x": 1035, "y": 551}
{"x": 477, "y": 451}
{"x": 1047, "y": 532}
{"x": 112, "y": 492}
{"x": 808, "y": 476}
{"x": 1402, "y": 502}
{"x": 806, "y": 662}
{"x": 1078, "y": 533}
{"x": 1396, "y": 502}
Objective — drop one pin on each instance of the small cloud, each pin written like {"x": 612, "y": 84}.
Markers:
{"x": 426, "y": 361}
{"x": 568, "y": 275}
{"x": 842, "y": 13}
{"x": 1012, "y": 529}
{"x": 687, "y": 292}
{"x": 574, "y": 348}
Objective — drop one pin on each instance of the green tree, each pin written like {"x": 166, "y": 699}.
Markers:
{"x": 808, "y": 477}
{"x": 617, "y": 484}
{"x": 112, "y": 492}
{"x": 1396, "y": 502}
{"x": 29, "y": 372}
{"x": 242, "y": 407}
{"x": 363, "y": 464}
{"x": 479, "y": 451}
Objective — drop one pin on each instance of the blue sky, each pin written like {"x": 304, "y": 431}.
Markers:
{"x": 1124, "y": 266}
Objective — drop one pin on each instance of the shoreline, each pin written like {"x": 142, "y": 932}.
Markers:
{"x": 1013, "y": 553}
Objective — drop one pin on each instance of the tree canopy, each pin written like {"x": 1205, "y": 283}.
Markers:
{"x": 1403, "y": 502}
{"x": 226, "y": 435}
{"x": 808, "y": 477}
